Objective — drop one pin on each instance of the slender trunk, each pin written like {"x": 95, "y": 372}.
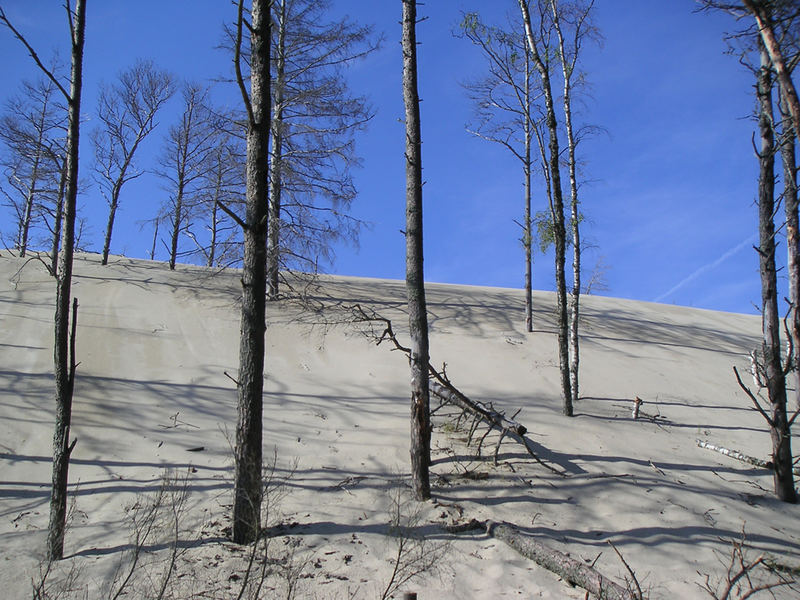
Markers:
{"x": 527, "y": 231}
{"x": 247, "y": 477}
{"x": 415, "y": 279}
{"x": 62, "y": 183}
{"x": 112, "y": 212}
{"x": 274, "y": 243}
{"x": 155, "y": 239}
{"x": 773, "y": 367}
{"x": 63, "y": 362}
{"x": 176, "y": 225}
{"x": 790, "y": 201}
{"x": 212, "y": 251}
{"x": 567, "y": 69}
{"x": 559, "y": 228}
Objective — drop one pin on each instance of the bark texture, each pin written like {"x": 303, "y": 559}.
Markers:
{"x": 274, "y": 243}
{"x": 559, "y": 227}
{"x": 248, "y": 451}
{"x": 64, "y": 364}
{"x": 415, "y": 280}
{"x": 771, "y": 345}
{"x": 790, "y": 202}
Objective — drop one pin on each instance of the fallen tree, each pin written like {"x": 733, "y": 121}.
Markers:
{"x": 443, "y": 388}
{"x": 573, "y": 571}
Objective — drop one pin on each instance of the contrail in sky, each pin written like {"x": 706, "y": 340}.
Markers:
{"x": 705, "y": 268}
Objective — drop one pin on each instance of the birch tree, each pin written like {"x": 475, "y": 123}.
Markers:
{"x": 576, "y": 18}
{"x": 415, "y": 279}
{"x": 126, "y": 111}
{"x": 540, "y": 54}
{"x": 64, "y": 351}
{"x": 505, "y": 113}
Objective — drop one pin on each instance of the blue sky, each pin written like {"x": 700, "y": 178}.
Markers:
{"x": 670, "y": 188}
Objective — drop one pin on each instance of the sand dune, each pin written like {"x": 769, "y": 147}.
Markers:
{"x": 151, "y": 389}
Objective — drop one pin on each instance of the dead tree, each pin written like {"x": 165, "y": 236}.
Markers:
{"x": 126, "y": 111}
{"x": 415, "y": 280}
{"x": 64, "y": 356}
{"x": 773, "y": 368}
{"x": 558, "y": 223}
{"x": 32, "y": 130}
{"x": 184, "y": 162}
{"x": 574, "y": 571}
{"x": 250, "y": 381}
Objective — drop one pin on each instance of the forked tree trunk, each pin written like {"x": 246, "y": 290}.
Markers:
{"x": 773, "y": 364}
{"x": 567, "y": 69}
{"x": 64, "y": 363}
{"x": 248, "y": 452}
{"x": 274, "y": 243}
{"x": 559, "y": 228}
{"x": 415, "y": 280}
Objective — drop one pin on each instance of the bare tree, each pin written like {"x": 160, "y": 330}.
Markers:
{"x": 505, "y": 113}
{"x": 223, "y": 176}
{"x": 314, "y": 120}
{"x": 30, "y": 129}
{"x": 250, "y": 384}
{"x": 184, "y": 159}
{"x": 64, "y": 352}
{"x": 540, "y": 56}
{"x": 415, "y": 278}
{"x": 126, "y": 111}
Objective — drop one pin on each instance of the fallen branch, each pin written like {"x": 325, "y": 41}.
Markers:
{"x": 443, "y": 388}
{"x": 752, "y": 460}
{"x": 574, "y": 571}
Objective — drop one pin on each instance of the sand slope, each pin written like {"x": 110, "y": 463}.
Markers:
{"x": 154, "y": 345}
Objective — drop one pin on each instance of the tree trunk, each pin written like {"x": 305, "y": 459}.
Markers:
{"x": 773, "y": 367}
{"x": 112, "y": 213}
{"x": 54, "y": 248}
{"x": 176, "y": 226}
{"x": 64, "y": 363}
{"x": 790, "y": 201}
{"x": 527, "y": 240}
{"x": 415, "y": 279}
{"x": 248, "y": 482}
{"x": 559, "y": 228}
{"x": 274, "y": 243}
{"x": 567, "y": 68}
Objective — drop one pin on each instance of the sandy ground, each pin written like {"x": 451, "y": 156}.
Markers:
{"x": 152, "y": 398}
